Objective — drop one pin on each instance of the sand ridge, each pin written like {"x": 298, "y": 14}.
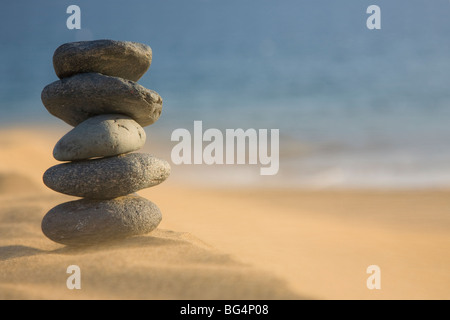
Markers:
{"x": 162, "y": 265}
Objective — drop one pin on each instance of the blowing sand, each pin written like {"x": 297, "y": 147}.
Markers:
{"x": 225, "y": 243}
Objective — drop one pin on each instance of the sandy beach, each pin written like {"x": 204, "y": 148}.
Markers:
{"x": 226, "y": 243}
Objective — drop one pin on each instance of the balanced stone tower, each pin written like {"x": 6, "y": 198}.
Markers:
{"x": 99, "y": 96}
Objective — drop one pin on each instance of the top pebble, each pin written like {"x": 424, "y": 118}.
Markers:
{"x": 124, "y": 59}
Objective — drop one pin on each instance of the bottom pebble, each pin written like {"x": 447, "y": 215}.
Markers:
{"x": 85, "y": 222}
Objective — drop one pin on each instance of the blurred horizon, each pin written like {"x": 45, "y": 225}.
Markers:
{"x": 355, "y": 107}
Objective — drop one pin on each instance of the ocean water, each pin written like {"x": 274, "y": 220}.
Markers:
{"x": 355, "y": 107}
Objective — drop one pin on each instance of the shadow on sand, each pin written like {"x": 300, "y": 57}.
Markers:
{"x": 10, "y": 252}
{"x": 17, "y": 251}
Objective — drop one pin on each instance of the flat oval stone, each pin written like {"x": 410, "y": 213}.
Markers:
{"x": 107, "y": 178}
{"x": 86, "y": 222}
{"x": 124, "y": 59}
{"x": 100, "y": 136}
{"x": 85, "y": 95}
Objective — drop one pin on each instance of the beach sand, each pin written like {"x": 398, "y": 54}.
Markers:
{"x": 225, "y": 243}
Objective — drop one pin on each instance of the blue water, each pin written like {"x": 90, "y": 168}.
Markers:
{"x": 355, "y": 108}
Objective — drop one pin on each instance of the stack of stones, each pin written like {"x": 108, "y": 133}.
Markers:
{"x": 99, "y": 96}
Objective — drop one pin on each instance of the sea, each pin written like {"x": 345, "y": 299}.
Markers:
{"x": 355, "y": 107}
